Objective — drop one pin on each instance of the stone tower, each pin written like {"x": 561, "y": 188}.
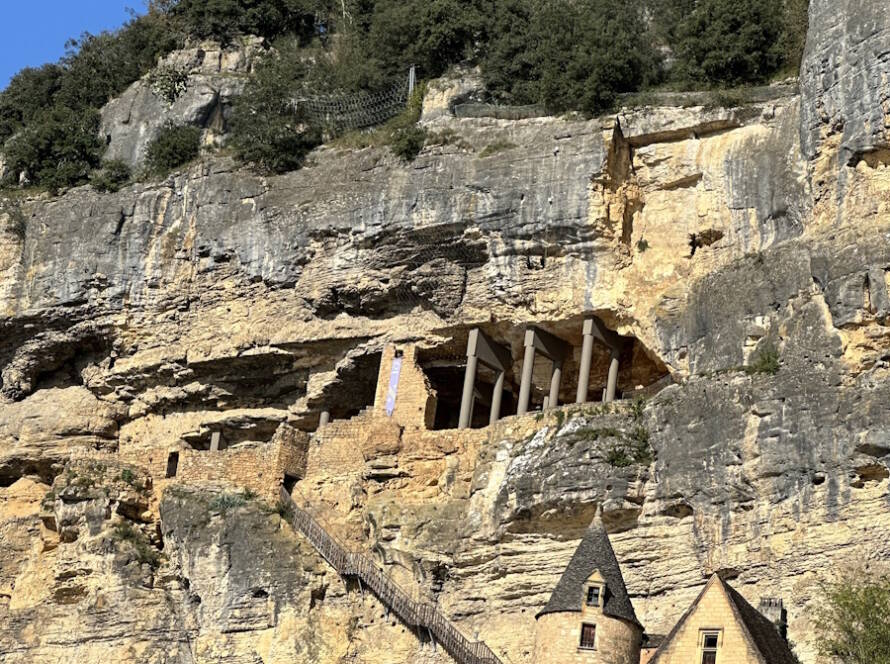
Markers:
{"x": 589, "y": 618}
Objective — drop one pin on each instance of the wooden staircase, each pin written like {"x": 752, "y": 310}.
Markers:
{"x": 415, "y": 613}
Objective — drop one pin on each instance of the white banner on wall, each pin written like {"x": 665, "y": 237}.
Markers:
{"x": 393, "y": 390}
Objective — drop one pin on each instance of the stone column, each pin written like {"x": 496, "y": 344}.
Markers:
{"x": 528, "y": 366}
{"x": 546, "y": 404}
{"x": 466, "y": 402}
{"x": 214, "y": 441}
{"x": 555, "y": 380}
{"x": 496, "y": 397}
{"x": 613, "y": 378}
{"x": 324, "y": 419}
{"x": 586, "y": 359}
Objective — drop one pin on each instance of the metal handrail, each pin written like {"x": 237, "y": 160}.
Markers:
{"x": 414, "y": 612}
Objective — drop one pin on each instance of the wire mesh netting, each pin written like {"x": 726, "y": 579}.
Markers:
{"x": 336, "y": 114}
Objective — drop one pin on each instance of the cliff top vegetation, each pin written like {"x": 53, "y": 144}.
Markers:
{"x": 568, "y": 55}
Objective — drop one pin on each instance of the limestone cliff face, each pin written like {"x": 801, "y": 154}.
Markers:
{"x": 136, "y": 323}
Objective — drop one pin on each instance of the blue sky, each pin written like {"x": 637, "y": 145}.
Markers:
{"x": 34, "y": 32}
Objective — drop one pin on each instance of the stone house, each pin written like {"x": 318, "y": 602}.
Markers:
{"x": 721, "y": 627}
{"x": 589, "y": 618}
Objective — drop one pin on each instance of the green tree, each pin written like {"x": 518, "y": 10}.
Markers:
{"x": 113, "y": 175}
{"x": 568, "y": 54}
{"x": 174, "y": 146}
{"x": 794, "y": 34}
{"x": 853, "y": 621}
{"x": 431, "y": 34}
{"x": 223, "y": 20}
{"x": 57, "y": 149}
{"x": 265, "y": 128}
{"x": 49, "y": 116}
{"x": 509, "y": 63}
{"x": 99, "y": 67}
{"x": 28, "y": 95}
{"x": 729, "y": 42}
{"x": 667, "y": 15}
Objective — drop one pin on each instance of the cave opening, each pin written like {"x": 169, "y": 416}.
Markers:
{"x": 289, "y": 482}
{"x": 445, "y": 367}
{"x": 353, "y": 390}
{"x": 447, "y": 381}
{"x": 639, "y": 371}
{"x": 356, "y": 387}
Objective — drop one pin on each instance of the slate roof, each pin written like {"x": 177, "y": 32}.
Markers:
{"x": 760, "y": 632}
{"x": 763, "y": 632}
{"x": 593, "y": 553}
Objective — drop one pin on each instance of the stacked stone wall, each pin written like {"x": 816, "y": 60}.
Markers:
{"x": 415, "y": 405}
{"x": 259, "y": 467}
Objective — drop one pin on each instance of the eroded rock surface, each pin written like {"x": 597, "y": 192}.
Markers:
{"x": 139, "y": 323}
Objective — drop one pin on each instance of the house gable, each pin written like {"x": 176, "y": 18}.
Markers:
{"x": 713, "y": 612}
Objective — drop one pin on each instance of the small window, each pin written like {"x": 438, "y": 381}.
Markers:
{"x": 710, "y": 642}
{"x": 588, "y": 636}
{"x": 172, "y": 464}
{"x": 593, "y": 596}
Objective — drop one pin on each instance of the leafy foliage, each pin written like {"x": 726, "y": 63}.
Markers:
{"x": 765, "y": 361}
{"x": 168, "y": 83}
{"x": 431, "y": 34}
{"x": 57, "y": 149}
{"x": 174, "y": 146}
{"x": 265, "y": 129}
{"x": 853, "y": 621}
{"x": 729, "y": 42}
{"x": 29, "y": 93}
{"x": 496, "y": 147}
{"x": 113, "y": 175}
{"x": 567, "y": 54}
{"x": 633, "y": 448}
{"x": 794, "y": 34}
{"x": 99, "y": 67}
{"x": 285, "y": 510}
{"x": 229, "y": 501}
{"x": 142, "y": 548}
{"x": 401, "y": 133}
{"x": 223, "y": 20}
{"x": 49, "y": 116}
{"x": 407, "y": 143}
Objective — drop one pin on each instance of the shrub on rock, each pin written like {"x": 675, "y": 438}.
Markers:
{"x": 174, "y": 146}
{"x": 113, "y": 175}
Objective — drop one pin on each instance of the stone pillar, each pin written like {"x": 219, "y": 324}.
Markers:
{"x": 324, "y": 419}
{"x": 214, "y": 441}
{"x": 586, "y": 359}
{"x": 528, "y": 367}
{"x": 546, "y": 404}
{"x": 555, "y": 380}
{"x": 613, "y": 377}
{"x": 496, "y": 397}
{"x": 466, "y": 402}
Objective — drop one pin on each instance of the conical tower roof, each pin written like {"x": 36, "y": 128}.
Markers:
{"x": 594, "y": 553}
